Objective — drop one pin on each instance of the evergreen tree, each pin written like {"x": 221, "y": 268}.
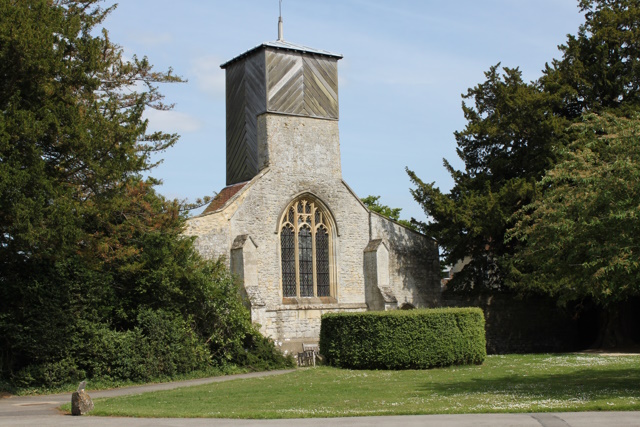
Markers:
{"x": 90, "y": 254}
{"x": 515, "y": 132}
{"x": 507, "y": 145}
{"x": 600, "y": 67}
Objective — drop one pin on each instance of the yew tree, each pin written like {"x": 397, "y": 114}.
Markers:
{"x": 515, "y": 133}
{"x": 87, "y": 246}
{"x": 507, "y": 145}
{"x": 600, "y": 66}
{"x": 73, "y": 146}
{"x": 598, "y": 81}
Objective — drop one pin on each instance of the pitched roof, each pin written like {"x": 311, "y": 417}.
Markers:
{"x": 281, "y": 44}
{"x": 223, "y": 197}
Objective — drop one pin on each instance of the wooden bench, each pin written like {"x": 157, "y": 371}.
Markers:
{"x": 308, "y": 355}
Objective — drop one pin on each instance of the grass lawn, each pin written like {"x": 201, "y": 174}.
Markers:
{"x": 513, "y": 383}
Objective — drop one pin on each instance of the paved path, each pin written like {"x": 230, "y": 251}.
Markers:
{"x": 41, "y": 411}
{"x": 564, "y": 419}
{"x": 16, "y": 406}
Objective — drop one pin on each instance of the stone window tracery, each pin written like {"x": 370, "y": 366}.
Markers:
{"x": 305, "y": 250}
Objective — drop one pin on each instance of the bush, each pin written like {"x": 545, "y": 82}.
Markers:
{"x": 202, "y": 325}
{"x": 414, "y": 339}
{"x": 261, "y": 354}
{"x": 161, "y": 345}
{"x": 52, "y": 374}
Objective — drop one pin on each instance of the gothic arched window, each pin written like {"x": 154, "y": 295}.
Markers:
{"x": 305, "y": 250}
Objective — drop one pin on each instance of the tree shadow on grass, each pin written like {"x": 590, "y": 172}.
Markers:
{"x": 593, "y": 384}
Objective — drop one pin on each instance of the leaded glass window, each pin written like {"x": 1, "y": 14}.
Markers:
{"x": 322, "y": 261}
{"x": 305, "y": 242}
{"x": 287, "y": 243}
{"x": 305, "y": 256}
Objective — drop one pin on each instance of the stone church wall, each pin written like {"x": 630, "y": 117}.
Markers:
{"x": 213, "y": 235}
{"x": 246, "y": 232}
{"x": 314, "y": 171}
{"x": 213, "y": 230}
{"x": 414, "y": 267}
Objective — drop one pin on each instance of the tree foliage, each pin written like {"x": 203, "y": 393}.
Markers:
{"x": 600, "y": 66}
{"x": 86, "y": 244}
{"x": 373, "y": 204}
{"x": 516, "y": 133}
{"x": 506, "y": 146}
{"x": 583, "y": 234}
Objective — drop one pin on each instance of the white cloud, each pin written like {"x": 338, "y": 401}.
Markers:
{"x": 171, "y": 121}
{"x": 209, "y": 75}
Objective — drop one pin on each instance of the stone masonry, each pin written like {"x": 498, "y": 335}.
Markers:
{"x": 376, "y": 264}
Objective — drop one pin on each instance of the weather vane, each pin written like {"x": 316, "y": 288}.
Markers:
{"x": 280, "y": 23}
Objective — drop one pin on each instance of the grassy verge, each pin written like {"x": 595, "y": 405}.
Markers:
{"x": 514, "y": 383}
{"x": 105, "y": 384}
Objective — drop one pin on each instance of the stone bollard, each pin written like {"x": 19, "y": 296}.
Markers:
{"x": 81, "y": 403}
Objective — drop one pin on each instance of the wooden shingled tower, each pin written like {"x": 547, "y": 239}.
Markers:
{"x": 274, "y": 77}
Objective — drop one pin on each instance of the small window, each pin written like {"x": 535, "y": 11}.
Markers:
{"x": 305, "y": 245}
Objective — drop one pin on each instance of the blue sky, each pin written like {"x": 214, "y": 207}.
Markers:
{"x": 406, "y": 63}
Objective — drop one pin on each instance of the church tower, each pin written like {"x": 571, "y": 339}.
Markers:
{"x": 296, "y": 237}
{"x": 274, "y": 77}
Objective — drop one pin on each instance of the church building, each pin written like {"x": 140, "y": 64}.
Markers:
{"x": 298, "y": 239}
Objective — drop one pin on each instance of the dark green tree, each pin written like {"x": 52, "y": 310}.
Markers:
{"x": 600, "y": 66}
{"x": 514, "y": 134}
{"x": 508, "y": 143}
{"x": 599, "y": 72}
{"x": 89, "y": 252}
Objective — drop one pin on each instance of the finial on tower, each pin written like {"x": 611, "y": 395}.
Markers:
{"x": 280, "y": 38}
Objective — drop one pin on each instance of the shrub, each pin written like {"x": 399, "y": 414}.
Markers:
{"x": 208, "y": 328}
{"x": 414, "y": 339}
{"x": 52, "y": 374}
{"x": 161, "y": 345}
{"x": 261, "y": 354}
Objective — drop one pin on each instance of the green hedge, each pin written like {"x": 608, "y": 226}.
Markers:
{"x": 413, "y": 339}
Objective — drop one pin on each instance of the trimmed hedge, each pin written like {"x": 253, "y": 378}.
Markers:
{"x": 399, "y": 339}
